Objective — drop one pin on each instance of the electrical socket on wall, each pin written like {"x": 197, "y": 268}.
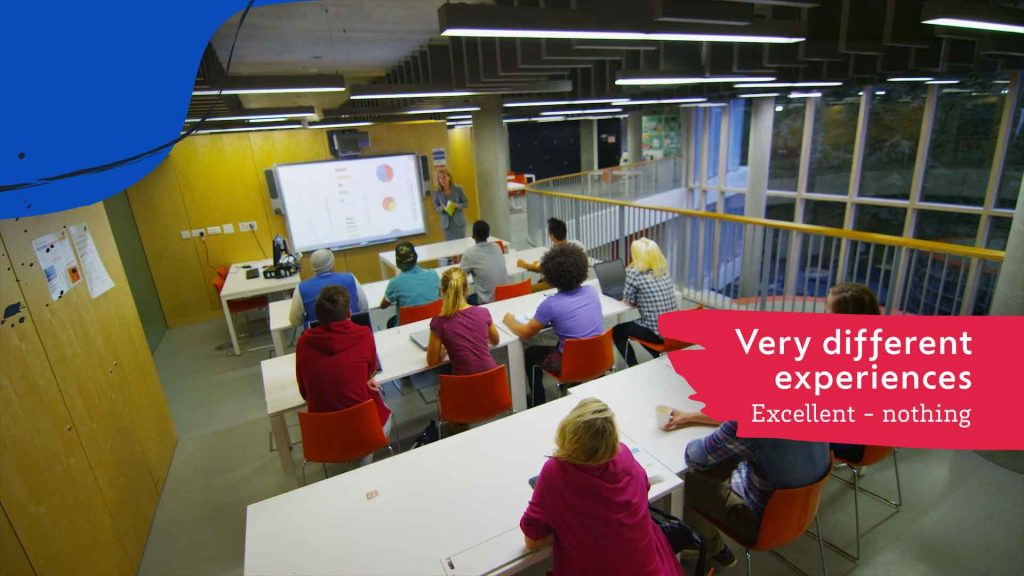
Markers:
{"x": 213, "y": 230}
{"x": 247, "y": 226}
{"x": 186, "y": 234}
{"x": 228, "y": 228}
{"x": 198, "y": 233}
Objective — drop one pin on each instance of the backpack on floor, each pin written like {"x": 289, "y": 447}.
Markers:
{"x": 429, "y": 434}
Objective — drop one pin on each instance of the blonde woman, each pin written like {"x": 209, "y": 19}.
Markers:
{"x": 590, "y": 503}
{"x": 649, "y": 287}
{"x": 462, "y": 331}
{"x": 449, "y": 202}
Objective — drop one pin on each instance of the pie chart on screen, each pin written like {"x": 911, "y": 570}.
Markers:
{"x": 385, "y": 173}
{"x": 389, "y": 204}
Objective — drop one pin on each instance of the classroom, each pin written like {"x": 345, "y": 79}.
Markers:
{"x": 389, "y": 304}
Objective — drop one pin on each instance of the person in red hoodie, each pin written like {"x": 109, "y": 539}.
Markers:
{"x": 335, "y": 361}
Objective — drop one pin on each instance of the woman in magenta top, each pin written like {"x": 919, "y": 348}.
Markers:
{"x": 590, "y": 503}
{"x": 461, "y": 330}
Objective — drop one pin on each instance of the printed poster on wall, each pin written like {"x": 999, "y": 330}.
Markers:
{"x": 96, "y": 277}
{"x": 58, "y": 263}
{"x": 439, "y": 157}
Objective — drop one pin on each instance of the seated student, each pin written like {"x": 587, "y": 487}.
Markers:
{"x": 590, "y": 502}
{"x": 335, "y": 361}
{"x": 851, "y": 298}
{"x": 574, "y": 312}
{"x": 461, "y": 330}
{"x": 731, "y": 479}
{"x": 557, "y": 232}
{"x": 486, "y": 263}
{"x": 303, "y": 311}
{"x": 648, "y": 287}
{"x": 414, "y": 286}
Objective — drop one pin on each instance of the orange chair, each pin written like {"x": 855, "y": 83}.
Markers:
{"x": 786, "y": 517}
{"x": 475, "y": 397}
{"x": 872, "y": 455}
{"x": 504, "y": 248}
{"x": 341, "y": 436}
{"x": 584, "y": 359}
{"x": 668, "y": 345}
{"x": 410, "y": 314}
{"x": 506, "y": 291}
{"x": 222, "y": 271}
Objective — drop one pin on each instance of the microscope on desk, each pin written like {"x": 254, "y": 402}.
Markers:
{"x": 285, "y": 264}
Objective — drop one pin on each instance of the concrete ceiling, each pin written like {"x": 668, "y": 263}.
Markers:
{"x": 358, "y": 38}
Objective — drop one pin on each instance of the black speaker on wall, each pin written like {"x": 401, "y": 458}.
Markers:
{"x": 275, "y": 196}
{"x": 425, "y": 173}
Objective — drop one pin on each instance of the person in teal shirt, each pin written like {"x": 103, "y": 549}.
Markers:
{"x": 414, "y": 286}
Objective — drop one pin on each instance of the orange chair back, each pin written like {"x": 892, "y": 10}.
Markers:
{"x": 474, "y": 397}
{"x": 504, "y": 248}
{"x": 222, "y": 271}
{"x": 506, "y": 291}
{"x": 872, "y": 455}
{"x": 342, "y": 436}
{"x": 218, "y": 283}
{"x": 584, "y": 359}
{"x": 789, "y": 513}
{"x": 410, "y": 314}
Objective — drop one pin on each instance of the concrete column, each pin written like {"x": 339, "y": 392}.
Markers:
{"x": 762, "y": 116}
{"x": 588, "y": 145}
{"x": 1008, "y": 299}
{"x": 635, "y": 136}
{"x": 490, "y": 150}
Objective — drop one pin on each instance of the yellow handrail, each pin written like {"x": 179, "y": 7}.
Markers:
{"x": 885, "y": 239}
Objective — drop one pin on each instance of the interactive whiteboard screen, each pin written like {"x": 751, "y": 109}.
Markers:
{"x": 345, "y": 203}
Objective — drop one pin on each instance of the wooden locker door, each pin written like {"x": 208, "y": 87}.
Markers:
{"x": 13, "y": 561}
{"x": 47, "y": 487}
{"x": 116, "y": 405}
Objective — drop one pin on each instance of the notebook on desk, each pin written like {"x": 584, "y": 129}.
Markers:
{"x": 421, "y": 338}
{"x": 611, "y": 276}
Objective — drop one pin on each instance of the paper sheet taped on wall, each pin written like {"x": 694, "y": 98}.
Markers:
{"x": 58, "y": 263}
{"x": 96, "y": 277}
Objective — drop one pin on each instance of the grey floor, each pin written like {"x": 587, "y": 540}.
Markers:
{"x": 962, "y": 513}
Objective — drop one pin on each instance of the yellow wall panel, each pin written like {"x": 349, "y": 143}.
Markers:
{"x": 462, "y": 165}
{"x": 160, "y": 217}
{"x": 98, "y": 354}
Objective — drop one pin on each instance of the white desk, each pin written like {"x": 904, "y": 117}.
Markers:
{"x": 459, "y": 499}
{"x": 633, "y": 393}
{"x": 237, "y": 286}
{"x": 429, "y": 252}
{"x": 401, "y": 357}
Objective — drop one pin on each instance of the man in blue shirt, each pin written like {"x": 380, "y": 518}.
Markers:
{"x": 414, "y": 286}
{"x": 731, "y": 479}
{"x": 303, "y": 311}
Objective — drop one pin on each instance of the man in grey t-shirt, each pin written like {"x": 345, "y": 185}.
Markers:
{"x": 486, "y": 263}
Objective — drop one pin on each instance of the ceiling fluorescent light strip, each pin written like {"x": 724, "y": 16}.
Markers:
{"x": 759, "y": 95}
{"x": 341, "y": 125}
{"x": 268, "y": 90}
{"x": 910, "y": 79}
{"x": 443, "y": 110}
{"x": 394, "y": 95}
{"x": 265, "y": 115}
{"x": 788, "y": 84}
{"x": 942, "y": 82}
{"x": 661, "y": 101}
{"x": 975, "y": 24}
{"x": 805, "y": 94}
{"x": 571, "y": 112}
{"x": 677, "y": 80}
{"x": 248, "y": 128}
{"x": 526, "y": 103}
{"x": 460, "y": 117}
{"x": 616, "y": 35}
{"x": 704, "y": 105}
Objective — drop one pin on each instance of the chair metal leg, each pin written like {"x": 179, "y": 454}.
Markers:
{"x": 324, "y": 464}
{"x": 748, "y": 563}
{"x": 303, "y": 472}
{"x": 896, "y": 468}
{"x": 821, "y": 545}
{"x": 856, "y": 511}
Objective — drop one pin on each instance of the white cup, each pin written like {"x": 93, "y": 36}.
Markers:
{"x": 662, "y": 414}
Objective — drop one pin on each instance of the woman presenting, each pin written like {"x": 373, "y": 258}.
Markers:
{"x": 450, "y": 201}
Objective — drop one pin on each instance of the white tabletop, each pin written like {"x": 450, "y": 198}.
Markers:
{"x": 399, "y": 355}
{"x": 437, "y": 250}
{"x": 236, "y": 285}
{"x": 460, "y": 498}
{"x": 633, "y": 395}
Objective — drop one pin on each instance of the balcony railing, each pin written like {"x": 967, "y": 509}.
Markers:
{"x": 738, "y": 262}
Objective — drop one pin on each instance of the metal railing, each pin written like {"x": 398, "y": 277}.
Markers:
{"x": 737, "y": 262}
